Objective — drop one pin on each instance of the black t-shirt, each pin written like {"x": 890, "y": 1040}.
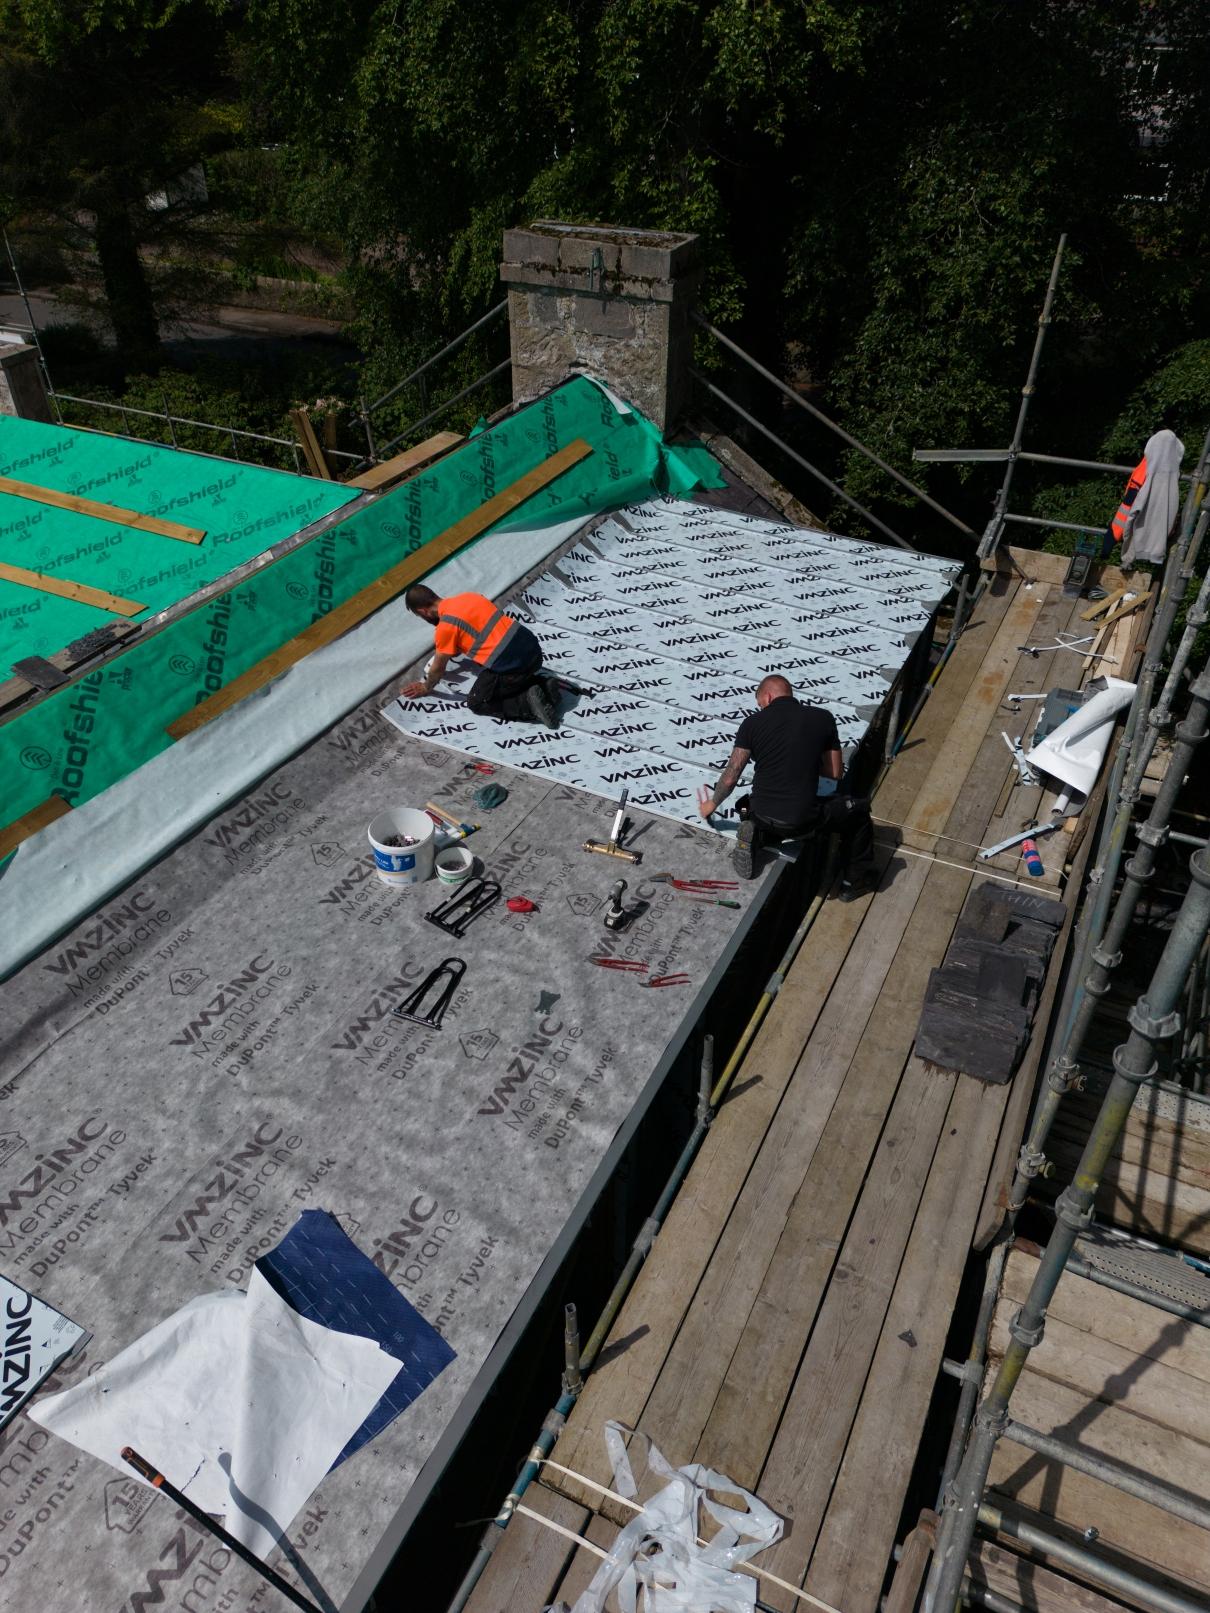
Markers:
{"x": 787, "y": 740}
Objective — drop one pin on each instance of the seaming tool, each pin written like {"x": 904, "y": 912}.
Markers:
{"x": 630, "y": 965}
{"x": 613, "y": 847}
{"x": 666, "y": 980}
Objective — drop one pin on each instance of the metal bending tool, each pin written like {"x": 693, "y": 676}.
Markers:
{"x": 1031, "y": 833}
{"x": 457, "y": 915}
{"x": 452, "y": 970}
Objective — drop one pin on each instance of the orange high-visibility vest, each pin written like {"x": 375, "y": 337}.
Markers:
{"x": 1117, "y": 527}
{"x": 469, "y": 624}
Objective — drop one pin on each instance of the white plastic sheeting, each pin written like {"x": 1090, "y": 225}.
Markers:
{"x": 239, "y": 1400}
{"x": 660, "y": 1562}
{"x": 1074, "y": 751}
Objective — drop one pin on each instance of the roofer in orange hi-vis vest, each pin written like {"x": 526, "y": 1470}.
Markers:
{"x": 510, "y": 683}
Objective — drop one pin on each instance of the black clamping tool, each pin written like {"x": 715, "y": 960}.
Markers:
{"x": 449, "y": 970}
{"x": 457, "y": 915}
{"x": 616, "y": 917}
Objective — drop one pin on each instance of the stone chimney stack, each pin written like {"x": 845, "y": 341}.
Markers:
{"x": 609, "y": 301}
{"x": 22, "y": 389}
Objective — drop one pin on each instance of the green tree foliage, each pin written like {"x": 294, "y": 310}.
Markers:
{"x": 880, "y": 186}
{"x": 101, "y": 105}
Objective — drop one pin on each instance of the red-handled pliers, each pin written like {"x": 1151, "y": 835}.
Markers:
{"x": 666, "y": 980}
{"x": 695, "y": 884}
{"x": 631, "y": 964}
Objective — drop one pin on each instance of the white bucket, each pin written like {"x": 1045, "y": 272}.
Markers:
{"x": 454, "y": 864}
{"x": 402, "y": 865}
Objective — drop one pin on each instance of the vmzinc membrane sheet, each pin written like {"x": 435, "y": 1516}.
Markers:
{"x": 214, "y": 1051}
{"x": 669, "y": 614}
{"x": 242, "y": 509}
{"x": 81, "y": 739}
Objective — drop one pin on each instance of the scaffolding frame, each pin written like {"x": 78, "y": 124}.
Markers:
{"x": 1180, "y": 983}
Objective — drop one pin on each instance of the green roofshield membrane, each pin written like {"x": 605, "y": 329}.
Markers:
{"x": 243, "y": 509}
{"x": 80, "y": 740}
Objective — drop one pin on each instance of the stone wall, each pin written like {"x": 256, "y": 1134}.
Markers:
{"x": 613, "y": 303}
{"x": 22, "y": 391}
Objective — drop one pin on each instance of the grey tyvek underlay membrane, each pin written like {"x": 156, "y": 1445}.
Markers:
{"x": 213, "y": 1052}
{"x": 669, "y": 614}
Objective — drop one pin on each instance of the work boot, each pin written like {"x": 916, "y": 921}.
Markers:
{"x": 854, "y": 886}
{"x": 743, "y": 858}
{"x": 541, "y": 706}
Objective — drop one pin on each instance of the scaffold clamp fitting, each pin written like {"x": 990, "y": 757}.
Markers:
{"x": 1028, "y": 1337}
{"x": 1155, "y": 1030}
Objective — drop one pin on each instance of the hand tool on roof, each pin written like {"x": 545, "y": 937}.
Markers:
{"x": 447, "y": 829}
{"x": 694, "y": 884}
{"x": 204, "y": 1521}
{"x": 666, "y": 980}
{"x": 451, "y": 970}
{"x": 632, "y": 965}
{"x": 619, "y": 818}
{"x": 615, "y": 913}
{"x": 612, "y": 846}
{"x": 473, "y": 900}
{"x": 521, "y": 904}
{"x": 709, "y": 900}
{"x": 1034, "y": 830}
{"x": 448, "y": 818}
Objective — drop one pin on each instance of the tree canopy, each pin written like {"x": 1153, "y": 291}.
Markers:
{"x": 880, "y": 186}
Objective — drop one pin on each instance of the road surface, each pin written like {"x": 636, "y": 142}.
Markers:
{"x": 220, "y": 332}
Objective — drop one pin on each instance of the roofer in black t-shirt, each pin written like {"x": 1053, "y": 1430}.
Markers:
{"x": 793, "y": 746}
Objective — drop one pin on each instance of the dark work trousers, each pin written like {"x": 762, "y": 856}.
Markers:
{"x": 847, "y": 816}
{"x": 502, "y": 694}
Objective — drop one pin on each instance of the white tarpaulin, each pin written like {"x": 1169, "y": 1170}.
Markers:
{"x": 234, "y": 1396}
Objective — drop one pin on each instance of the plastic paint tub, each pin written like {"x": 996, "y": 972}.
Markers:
{"x": 454, "y": 864}
{"x": 402, "y": 865}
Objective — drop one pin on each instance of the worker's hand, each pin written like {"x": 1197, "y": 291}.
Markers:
{"x": 705, "y": 804}
{"x": 413, "y": 691}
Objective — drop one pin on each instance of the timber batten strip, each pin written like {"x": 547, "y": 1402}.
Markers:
{"x": 113, "y": 513}
{"x": 362, "y": 604}
{"x": 48, "y": 811}
{"x": 401, "y": 466}
{"x": 41, "y": 583}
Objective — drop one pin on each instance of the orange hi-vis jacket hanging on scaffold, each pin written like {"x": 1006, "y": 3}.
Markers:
{"x": 469, "y": 624}
{"x": 1117, "y": 527}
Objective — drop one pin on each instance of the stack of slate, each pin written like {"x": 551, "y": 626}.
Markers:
{"x": 980, "y": 1003}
